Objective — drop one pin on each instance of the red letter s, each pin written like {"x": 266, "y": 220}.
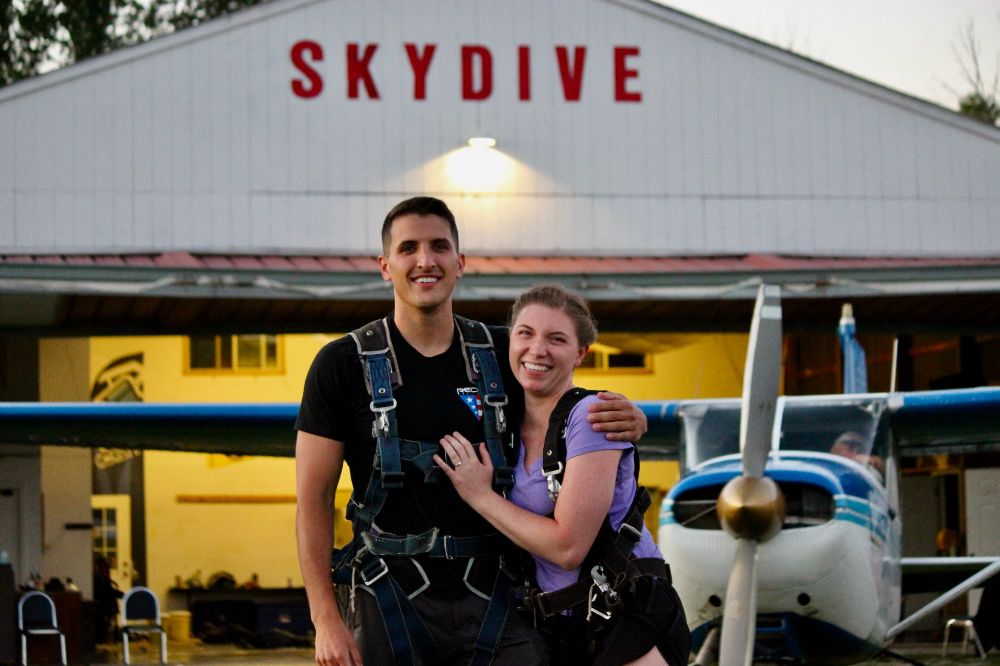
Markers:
{"x": 315, "y": 86}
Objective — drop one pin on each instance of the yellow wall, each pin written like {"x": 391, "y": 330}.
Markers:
{"x": 63, "y": 371}
{"x": 209, "y": 513}
{"x": 212, "y": 513}
{"x": 694, "y": 366}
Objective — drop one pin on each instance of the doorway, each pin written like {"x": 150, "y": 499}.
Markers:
{"x": 113, "y": 536}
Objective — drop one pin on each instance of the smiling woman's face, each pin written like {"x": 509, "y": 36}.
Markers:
{"x": 544, "y": 350}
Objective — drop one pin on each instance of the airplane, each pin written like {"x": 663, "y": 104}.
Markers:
{"x": 784, "y": 529}
{"x": 793, "y": 549}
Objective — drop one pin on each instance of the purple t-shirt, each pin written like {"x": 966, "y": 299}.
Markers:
{"x": 531, "y": 492}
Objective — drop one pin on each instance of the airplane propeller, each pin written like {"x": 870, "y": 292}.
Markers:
{"x": 751, "y": 507}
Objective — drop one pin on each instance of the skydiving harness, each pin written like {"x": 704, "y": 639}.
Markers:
{"x": 363, "y": 561}
{"x": 609, "y": 564}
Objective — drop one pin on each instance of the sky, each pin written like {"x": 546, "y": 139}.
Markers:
{"x": 907, "y": 45}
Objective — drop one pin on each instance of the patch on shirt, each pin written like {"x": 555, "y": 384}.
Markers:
{"x": 470, "y": 396}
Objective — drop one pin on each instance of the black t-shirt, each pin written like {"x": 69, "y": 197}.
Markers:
{"x": 432, "y": 401}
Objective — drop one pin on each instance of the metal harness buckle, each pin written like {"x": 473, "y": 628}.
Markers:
{"x": 381, "y": 422}
{"x": 629, "y": 528}
{"x": 498, "y": 406}
{"x": 601, "y": 584}
{"x": 384, "y": 570}
{"x": 552, "y": 482}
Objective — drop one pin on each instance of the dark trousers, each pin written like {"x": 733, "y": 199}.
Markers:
{"x": 453, "y": 625}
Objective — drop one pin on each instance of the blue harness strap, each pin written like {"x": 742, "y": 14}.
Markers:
{"x": 397, "y": 612}
{"x": 364, "y": 555}
{"x": 381, "y": 373}
{"x": 491, "y": 630}
{"x": 482, "y": 367}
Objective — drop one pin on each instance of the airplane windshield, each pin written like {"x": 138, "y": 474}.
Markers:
{"x": 830, "y": 428}
{"x": 849, "y": 427}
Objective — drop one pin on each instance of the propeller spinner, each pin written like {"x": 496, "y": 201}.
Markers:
{"x": 751, "y": 507}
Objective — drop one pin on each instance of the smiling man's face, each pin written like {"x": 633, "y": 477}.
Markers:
{"x": 422, "y": 261}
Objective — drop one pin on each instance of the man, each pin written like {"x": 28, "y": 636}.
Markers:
{"x": 408, "y": 598}
{"x": 852, "y": 445}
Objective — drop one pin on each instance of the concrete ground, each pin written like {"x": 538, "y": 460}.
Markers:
{"x": 195, "y": 652}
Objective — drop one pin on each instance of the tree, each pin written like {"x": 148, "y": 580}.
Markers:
{"x": 40, "y": 35}
{"x": 980, "y": 108}
{"x": 27, "y": 32}
{"x": 982, "y": 103}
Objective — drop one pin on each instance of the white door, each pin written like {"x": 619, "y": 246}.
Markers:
{"x": 113, "y": 536}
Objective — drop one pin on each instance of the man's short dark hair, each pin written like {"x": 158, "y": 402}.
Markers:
{"x": 418, "y": 206}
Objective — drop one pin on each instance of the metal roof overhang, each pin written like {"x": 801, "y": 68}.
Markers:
{"x": 185, "y": 293}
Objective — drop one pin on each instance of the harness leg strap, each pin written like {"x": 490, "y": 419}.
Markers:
{"x": 493, "y": 623}
{"x": 403, "y": 626}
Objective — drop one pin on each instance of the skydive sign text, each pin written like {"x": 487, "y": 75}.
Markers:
{"x": 477, "y": 71}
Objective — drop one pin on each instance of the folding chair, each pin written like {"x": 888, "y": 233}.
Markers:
{"x": 965, "y": 623}
{"x": 141, "y": 615}
{"x": 36, "y": 616}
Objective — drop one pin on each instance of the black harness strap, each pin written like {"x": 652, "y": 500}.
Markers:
{"x": 554, "y": 451}
{"x": 612, "y": 552}
{"x": 609, "y": 563}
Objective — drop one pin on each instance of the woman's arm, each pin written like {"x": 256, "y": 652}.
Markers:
{"x": 584, "y": 500}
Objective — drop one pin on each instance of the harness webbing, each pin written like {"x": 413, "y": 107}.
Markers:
{"x": 364, "y": 555}
{"x": 554, "y": 451}
{"x": 609, "y": 562}
{"x": 482, "y": 368}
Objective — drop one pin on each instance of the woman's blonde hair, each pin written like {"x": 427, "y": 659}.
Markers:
{"x": 559, "y": 297}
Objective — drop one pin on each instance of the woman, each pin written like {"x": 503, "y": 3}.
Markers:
{"x": 637, "y": 618}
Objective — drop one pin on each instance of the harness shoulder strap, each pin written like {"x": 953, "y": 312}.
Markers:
{"x": 373, "y": 340}
{"x": 483, "y": 370}
{"x": 382, "y": 373}
{"x": 554, "y": 451}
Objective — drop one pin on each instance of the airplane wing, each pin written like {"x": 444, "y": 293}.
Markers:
{"x": 662, "y": 441}
{"x": 952, "y": 421}
{"x": 962, "y": 420}
{"x": 936, "y": 574}
{"x": 264, "y": 429}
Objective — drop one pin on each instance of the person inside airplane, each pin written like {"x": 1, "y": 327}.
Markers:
{"x": 601, "y": 591}
{"x": 851, "y": 445}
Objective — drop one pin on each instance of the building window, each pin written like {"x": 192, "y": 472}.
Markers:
{"x": 609, "y": 359}
{"x": 106, "y": 535}
{"x": 236, "y": 353}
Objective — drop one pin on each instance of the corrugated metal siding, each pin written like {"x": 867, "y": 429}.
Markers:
{"x": 192, "y": 143}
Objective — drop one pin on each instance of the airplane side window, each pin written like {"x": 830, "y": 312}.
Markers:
{"x": 710, "y": 432}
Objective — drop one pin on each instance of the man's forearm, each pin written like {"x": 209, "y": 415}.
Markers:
{"x": 314, "y": 528}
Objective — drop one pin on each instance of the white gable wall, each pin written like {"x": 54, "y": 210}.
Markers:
{"x": 196, "y": 142}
